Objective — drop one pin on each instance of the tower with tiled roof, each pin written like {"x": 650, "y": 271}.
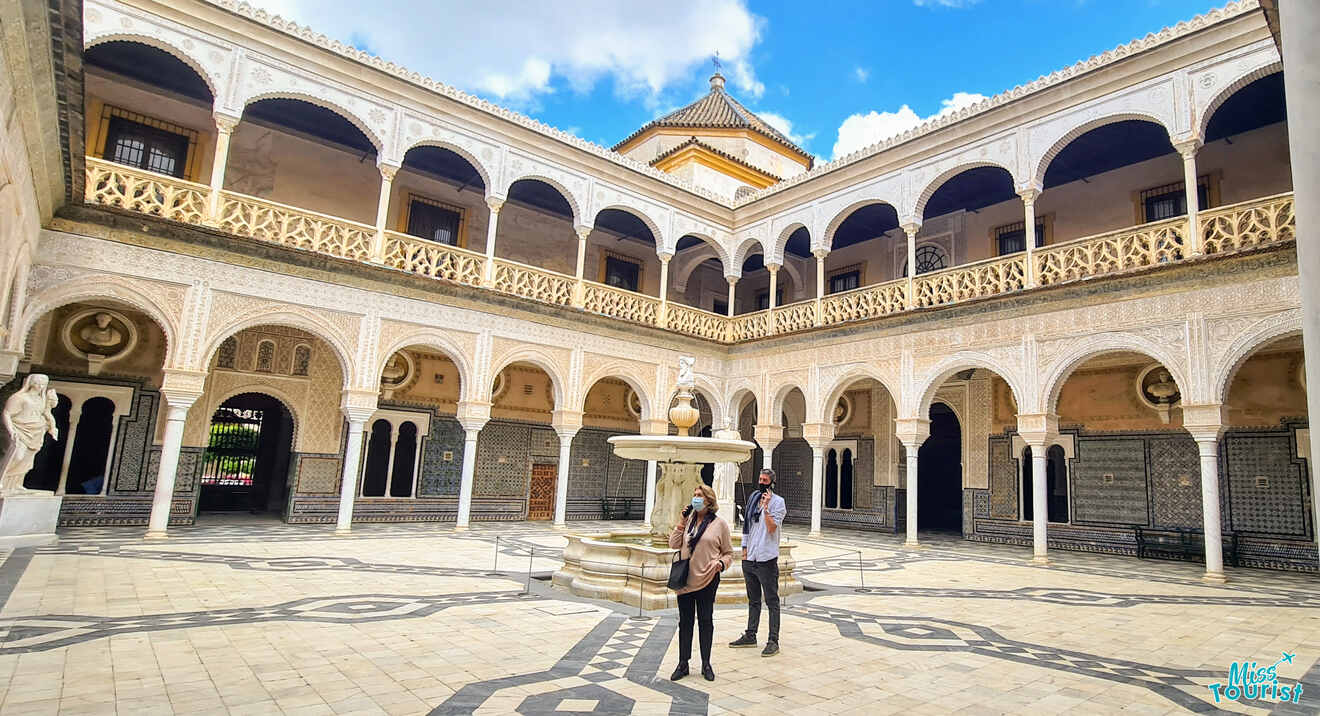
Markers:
{"x": 718, "y": 144}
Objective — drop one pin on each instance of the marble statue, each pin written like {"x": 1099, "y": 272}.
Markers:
{"x": 28, "y": 418}
{"x": 685, "y": 379}
{"x": 102, "y": 334}
{"x": 726, "y": 475}
{"x": 673, "y": 492}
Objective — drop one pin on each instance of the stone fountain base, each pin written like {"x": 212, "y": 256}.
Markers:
{"x": 597, "y": 567}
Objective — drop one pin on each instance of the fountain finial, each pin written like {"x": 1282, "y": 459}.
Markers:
{"x": 683, "y": 415}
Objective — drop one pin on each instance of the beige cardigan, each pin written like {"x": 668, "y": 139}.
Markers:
{"x": 713, "y": 554}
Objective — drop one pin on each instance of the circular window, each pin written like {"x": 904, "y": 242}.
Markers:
{"x": 930, "y": 258}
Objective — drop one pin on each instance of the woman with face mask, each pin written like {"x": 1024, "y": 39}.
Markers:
{"x": 703, "y": 538}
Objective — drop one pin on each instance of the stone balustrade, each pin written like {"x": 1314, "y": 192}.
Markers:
{"x": 1237, "y": 227}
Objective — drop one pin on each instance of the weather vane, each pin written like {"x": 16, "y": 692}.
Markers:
{"x": 716, "y": 60}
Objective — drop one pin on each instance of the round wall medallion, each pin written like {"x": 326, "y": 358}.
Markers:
{"x": 398, "y": 370}
{"x": 99, "y": 336}
{"x": 634, "y": 403}
{"x": 500, "y": 385}
{"x": 843, "y": 410}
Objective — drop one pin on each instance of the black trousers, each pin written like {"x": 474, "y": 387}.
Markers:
{"x": 762, "y": 578}
{"x": 697, "y": 606}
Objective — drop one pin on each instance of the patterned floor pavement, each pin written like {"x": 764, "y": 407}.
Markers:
{"x": 246, "y": 616}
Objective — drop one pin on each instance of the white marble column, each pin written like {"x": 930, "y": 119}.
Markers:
{"x": 561, "y": 482}
{"x": 1029, "y": 232}
{"x": 733, "y": 282}
{"x": 774, "y": 283}
{"x": 495, "y": 204}
{"x": 817, "y": 487}
{"x": 176, "y": 413}
{"x": 1207, "y": 444}
{"x": 224, "y": 128}
{"x": 911, "y": 231}
{"x": 910, "y": 450}
{"x": 387, "y": 173}
{"x": 1301, "y": 63}
{"x": 662, "y": 316}
{"x": 579, "y": 289}
{"x": 650, "y": 491}
{"x": 75, "y": 415}
{"x": 1039, "y": 503}
{"x": 820, "y": 254}
{"x": 1188, "y": 151}
{"x": 470, "y": 434}
{"x": 357, "y": 423}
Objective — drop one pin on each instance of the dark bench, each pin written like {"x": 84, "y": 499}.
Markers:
{"x": 1180, "y": 543}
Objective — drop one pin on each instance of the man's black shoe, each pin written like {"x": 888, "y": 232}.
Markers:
{"x": 771, "y": 648}
{"x": 743, "y": 641}
{"x": 679, "y": 672}
{"x": 707, "y": 672}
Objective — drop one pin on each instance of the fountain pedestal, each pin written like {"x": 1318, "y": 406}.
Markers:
{"x": 624, "y": 567}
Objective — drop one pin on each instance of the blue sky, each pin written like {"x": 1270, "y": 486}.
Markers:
{"x": 835, "y": 76}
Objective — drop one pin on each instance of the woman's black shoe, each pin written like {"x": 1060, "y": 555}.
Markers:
{"x": 679, "y": 672}
{"x": 707, "y": 672}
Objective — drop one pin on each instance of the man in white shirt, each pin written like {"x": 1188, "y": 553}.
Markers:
{"x": 760, "y": 560}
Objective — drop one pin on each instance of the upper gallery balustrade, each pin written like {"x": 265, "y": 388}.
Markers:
{"x": 1113, "y": 198}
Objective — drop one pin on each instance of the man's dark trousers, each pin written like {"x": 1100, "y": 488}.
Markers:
{"x": 762, "y": 578}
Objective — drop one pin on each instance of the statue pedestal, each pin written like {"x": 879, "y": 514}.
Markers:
{"x": 29, "y": 520}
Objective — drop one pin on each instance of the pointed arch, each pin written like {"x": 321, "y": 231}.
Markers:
{"x": 353, "y": 118}
{"x": 436, "y": 340}
{"x": 919, "y": 208}
{"x": 1259, "y": 335}
{"x": 289, "y": 317}
{"x": 1043, "y": 162}
{"x": 960, "y": 361}
{"x": 1098, "y": 345}
{"x": 538, "y": 358}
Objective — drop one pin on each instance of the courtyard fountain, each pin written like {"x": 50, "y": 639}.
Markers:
{"x": 632, "y": 566}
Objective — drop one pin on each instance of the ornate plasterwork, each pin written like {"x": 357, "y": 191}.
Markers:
{"x": 656, "y": 216}
{"x": 925, "y": 178}
{"x": 1213, "y": 82}
{"x": 635, "y": 373}
{"x": 210, "y": 57}
{"x": 574, "y": 187}
{"x": 417, "y": 130}
{"x": 457, "y": 346}
{"x": 1232, "y": 340}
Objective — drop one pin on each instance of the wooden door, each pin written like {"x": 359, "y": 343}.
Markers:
{"x": 541, "y": 496}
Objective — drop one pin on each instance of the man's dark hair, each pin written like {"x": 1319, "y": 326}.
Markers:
{"x": 768, "y": 471}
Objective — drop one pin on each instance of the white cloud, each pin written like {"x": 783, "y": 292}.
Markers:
{"x": 785, "y": 127}
{"x": 863, "y": 130}
{"x": 517, "y": 54}
{"x": 945, "y": 3}
{"x": 862, "y": 74}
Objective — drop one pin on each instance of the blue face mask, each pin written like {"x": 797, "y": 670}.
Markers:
{"x": 698, "y": 503}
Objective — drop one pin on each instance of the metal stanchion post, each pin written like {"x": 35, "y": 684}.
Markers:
{"x": 640, "y": 584}
{"x": 495, "y": 571}
{"x": 531, "y": 554}
{"x": 861, "y": 574}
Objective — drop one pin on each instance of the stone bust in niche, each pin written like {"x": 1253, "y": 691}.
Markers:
{"x": 101, "y": 337}
{"x": 1159, "y": 391}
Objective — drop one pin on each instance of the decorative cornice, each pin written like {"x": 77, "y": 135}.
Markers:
{"x": 1233, "y": 9}
{"x": 307, "y": 34}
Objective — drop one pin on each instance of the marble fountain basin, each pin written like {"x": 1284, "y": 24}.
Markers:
{"x": 684, "y": 449}
{"x": 626, "y": 567}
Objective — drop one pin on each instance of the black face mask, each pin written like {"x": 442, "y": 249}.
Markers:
{"x": 763, "y": 487}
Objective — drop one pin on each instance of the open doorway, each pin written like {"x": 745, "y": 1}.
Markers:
{"x": 939, "y": 473}
{"x": 246, "y": 464}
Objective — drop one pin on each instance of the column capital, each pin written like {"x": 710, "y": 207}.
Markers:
{"x": 1205, "y": 422}
{"x": 820, "y": 252}
{"x": 768, "y": 436}
{"x": 495, "y": 203}
{"x": 388, "y": 170}
{"x": 358, "y": 405}
{"x": 182, "y": 387}
{"x": 665, "y": 256}
{"x": 773, "y": 268}
{"x": 225, "y": 123}
{"x": 912, "y": 432}
{"x": 732, "y": 279}
{"x": 566, "y": 422}
{"x": 1029, "y": 194}
{"x": 583, "y": 231}
{"x": 1188, "y": 147}
{"x": 473, "y": 414}
{"x": 818, "y": 435}
{"x": 911, "y": 226}
{"x": 1037, "y": 429}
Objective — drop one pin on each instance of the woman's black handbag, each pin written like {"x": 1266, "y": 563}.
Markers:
{"x": 678, "y": 572}
{"x": 678, "y": 569}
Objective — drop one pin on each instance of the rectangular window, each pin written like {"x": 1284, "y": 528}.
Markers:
{"x": 621, "y": 272}
{"x": 763, "y": 299}
{"x": 1170, "y": 200}
{"x": 845, "y": 280}
{"x": 147, "y": 144}
{"x": 434, "y": 221}
{"x": 1012, "y": 238}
